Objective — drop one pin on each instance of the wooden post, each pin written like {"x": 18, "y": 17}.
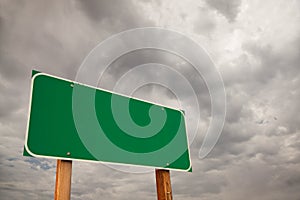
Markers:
{"x": 63, "y": 180}
{"x": 163, "y": 184}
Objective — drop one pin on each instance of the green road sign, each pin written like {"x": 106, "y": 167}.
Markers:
{"x": 69, "y": 120}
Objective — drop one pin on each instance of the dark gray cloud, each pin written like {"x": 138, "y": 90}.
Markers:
{"x": 136, "y": 58}
{"x": 205, "y": 22}
{"x": 229, "y": 9}
{"x": 119, "y": 14}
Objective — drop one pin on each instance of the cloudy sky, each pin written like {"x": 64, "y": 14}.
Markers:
{"x": 254, "y": 44}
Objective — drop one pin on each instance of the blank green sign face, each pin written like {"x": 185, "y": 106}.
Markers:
{"x": 73, "y": 121}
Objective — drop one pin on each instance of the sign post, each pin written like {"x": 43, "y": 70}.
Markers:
{"x": 72, "y": 121}
{"x": 63, "y": 180}
{"x": 163, "y": 184}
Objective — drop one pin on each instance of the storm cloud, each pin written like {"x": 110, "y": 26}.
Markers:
{"x": 254, "y": 45}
